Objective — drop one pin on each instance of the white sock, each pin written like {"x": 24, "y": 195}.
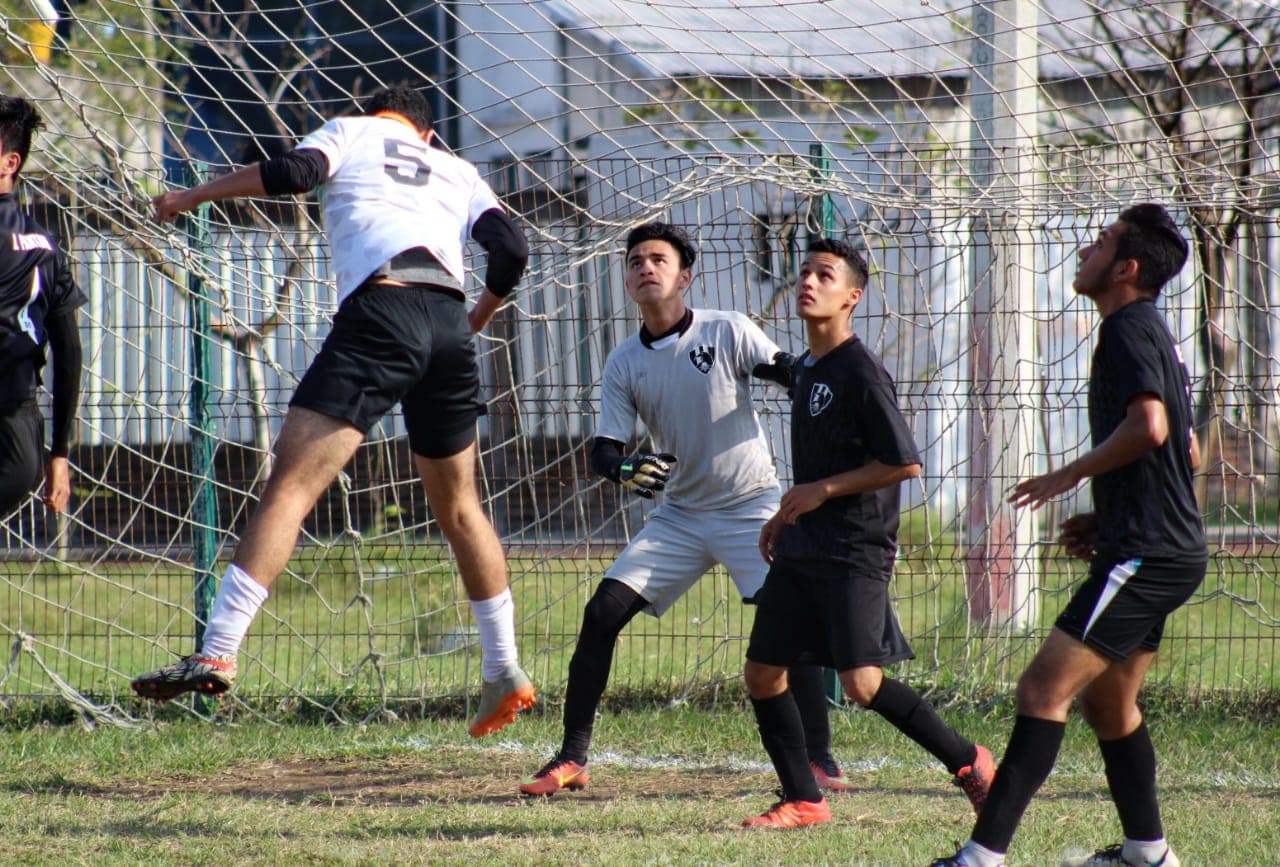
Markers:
{"x": 239, "y": 598}
{"x": 1144, "y": 851}
{"x": 496, "y": 621}
{"x": 977, "y": 855}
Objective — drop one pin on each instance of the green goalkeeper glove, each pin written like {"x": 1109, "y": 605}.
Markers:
{"x": 646, "y": 472}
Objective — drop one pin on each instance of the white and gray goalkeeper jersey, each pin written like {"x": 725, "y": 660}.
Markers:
{"x": 691, "y": 392}
{"x": 388, "y": 192}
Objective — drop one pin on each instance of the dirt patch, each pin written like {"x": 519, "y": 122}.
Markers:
{"x": 439, "y": 777}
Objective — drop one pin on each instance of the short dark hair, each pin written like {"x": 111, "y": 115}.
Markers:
{"x": 851, "y": 257}
{"x": 673, "y": 235}
{"x": 1152, "y": 238}
{"x": 402, "y": 100}
{"x": 18, "y": 121}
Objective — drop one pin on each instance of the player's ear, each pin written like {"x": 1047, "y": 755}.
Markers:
{"x": 428, "y": 135}
{"x": 686, "y": 277}
{"x": 855, "y": 295}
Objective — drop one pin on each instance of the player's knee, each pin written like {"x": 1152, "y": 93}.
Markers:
{"x": 1037, "y": 696}
{"x": 609, "y": 609}
{"x": 764, "y": 681}
{"x": 1109, "y": 717}
{"x": 861, "y": 685}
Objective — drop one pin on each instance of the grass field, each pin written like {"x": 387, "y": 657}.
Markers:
{"x": 670, "y": 786}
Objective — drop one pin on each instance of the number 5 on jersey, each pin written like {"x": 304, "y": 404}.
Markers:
{"x": 406, "y": 163}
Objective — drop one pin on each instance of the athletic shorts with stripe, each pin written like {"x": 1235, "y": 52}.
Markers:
{"x": 826, "y": 613}
{"x": 677, "y": 546}
{"x": 1122, "y": 605}
{"x": 399, "y": 344}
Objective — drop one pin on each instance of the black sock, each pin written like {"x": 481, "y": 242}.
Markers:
{"x": 916, "y": 718}
{"x": 782, "y": 734}
{"x": 1131, "y": 774}
{"x": 809, "y": 690}
{"x": 612, "y": 607}
{"x": 1033, "y": 748}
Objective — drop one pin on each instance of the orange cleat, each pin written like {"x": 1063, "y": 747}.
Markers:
{"x": 554, "y": 776}
{"x": 500, "y": 701}
{"x": 792, "y": 814}
{"x": 976, "y": 779}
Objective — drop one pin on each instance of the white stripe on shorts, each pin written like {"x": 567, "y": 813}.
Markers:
{"x": 1116, "y": 579}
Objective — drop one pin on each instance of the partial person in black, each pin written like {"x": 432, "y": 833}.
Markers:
{"x": 38, "y": 301}
{"x": 832, "y": 546}
{"x": 1144, "y": 543}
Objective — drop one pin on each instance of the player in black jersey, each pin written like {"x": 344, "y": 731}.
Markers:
{"x": 1144, "y": 543}
{"x": 38, "y": 301}
{"x": 832, "y": 546}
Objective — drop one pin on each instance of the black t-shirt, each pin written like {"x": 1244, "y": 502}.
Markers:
{"x": 1148, "y": 507}
{"x": 845, "y": 415}
{"x": 35, "y": 285}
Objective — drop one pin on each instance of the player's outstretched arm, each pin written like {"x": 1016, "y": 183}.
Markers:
{"x": 242, "y": 182}
{"x": 1145, "y": 427}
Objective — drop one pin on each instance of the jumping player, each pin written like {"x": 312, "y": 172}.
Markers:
{"x": 38, "y": 301}
{"x": 686, "y": 376}
{"x": 397, "y": 213}
{"x": 832, "y": 545}
{"x": 1144, "y": 543}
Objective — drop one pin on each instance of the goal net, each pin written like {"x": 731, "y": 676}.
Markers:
{"x": 970, "y": 149}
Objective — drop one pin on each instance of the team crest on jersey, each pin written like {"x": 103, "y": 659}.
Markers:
{"x": 703, "y": 356}
{"x": 819, "y": 398}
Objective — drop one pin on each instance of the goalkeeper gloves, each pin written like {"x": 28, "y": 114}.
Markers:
{"x": 780, "y": 371}
{"x": 646, "y": 472}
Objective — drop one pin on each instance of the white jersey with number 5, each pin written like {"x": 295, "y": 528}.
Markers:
{"x": 388, "y": 192}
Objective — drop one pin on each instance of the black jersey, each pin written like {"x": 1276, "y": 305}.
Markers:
{"x": 1147, "y": 507}
{"x": 35, "y": 286}
{"x": 845, "y": 415}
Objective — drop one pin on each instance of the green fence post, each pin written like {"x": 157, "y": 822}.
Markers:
{"x": 822, "y": 227}
{"x": 204, "y": 500}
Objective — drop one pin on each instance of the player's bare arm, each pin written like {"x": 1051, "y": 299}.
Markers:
{"x": 1145, "y": 427}
{"x": 868, "y": 477}
{"x": 57, "y": 484}
{"x": 246, "y": 181}
{"x": 486, "y": 306}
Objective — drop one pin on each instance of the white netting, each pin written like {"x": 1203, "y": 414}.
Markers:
{"x": 969, "y": 148}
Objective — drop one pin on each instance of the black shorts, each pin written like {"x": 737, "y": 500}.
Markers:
{"x": 825, "y": 614}
{"x": 405, "y": 344}
{"x": 21, "y": 440}
{"x": 1122, "y": 605}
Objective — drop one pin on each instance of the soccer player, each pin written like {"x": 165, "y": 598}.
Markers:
{"x": 38, "y": 301}
{"x": 1144, "y": 543}
{"x": 397, "y": 213}
{"x": 832, "y": 545}
{"x": 686, "y": 376}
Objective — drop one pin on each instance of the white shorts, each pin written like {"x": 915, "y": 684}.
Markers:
{"x": 678, "y": 546}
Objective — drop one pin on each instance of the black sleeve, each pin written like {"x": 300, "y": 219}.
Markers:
{"x": 298, "y": 171}
{"x": 508, "y": 250}
{"x": 606, "y": 457}
{"x": 64, "y": 340}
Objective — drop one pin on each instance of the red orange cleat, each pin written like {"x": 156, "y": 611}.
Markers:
{"x": 792, "y": 814}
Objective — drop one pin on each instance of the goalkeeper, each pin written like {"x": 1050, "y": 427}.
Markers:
{"x": 686, "y": 376}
